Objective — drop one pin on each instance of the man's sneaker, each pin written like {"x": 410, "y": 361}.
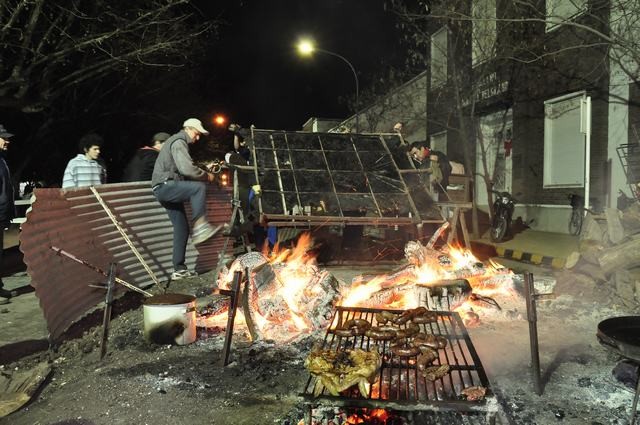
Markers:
{"x": 203, "y": 232}
{"x": 182, "y": 274}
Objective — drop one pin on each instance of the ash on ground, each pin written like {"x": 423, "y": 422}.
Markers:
{"x": 143, "y": 383}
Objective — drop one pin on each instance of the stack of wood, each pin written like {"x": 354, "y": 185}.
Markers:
{"x": 609, "y": 253}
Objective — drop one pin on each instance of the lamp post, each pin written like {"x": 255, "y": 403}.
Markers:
{"x": 306, "y": 48}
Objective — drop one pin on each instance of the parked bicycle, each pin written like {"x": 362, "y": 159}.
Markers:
{"x": 577, "y": 214}
{"x": 503, "y": 206}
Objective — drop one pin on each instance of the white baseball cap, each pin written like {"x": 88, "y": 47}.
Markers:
{"x": 195, "y": 123}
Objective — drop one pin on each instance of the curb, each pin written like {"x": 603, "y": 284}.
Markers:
{"x": 545, "y": 260}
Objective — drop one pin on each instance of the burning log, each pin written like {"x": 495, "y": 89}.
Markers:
{"x": 437, "y": 279}
{"x": 443, "y": 295}
{"x": 284, "y": 295}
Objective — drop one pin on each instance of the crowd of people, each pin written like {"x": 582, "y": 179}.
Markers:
{"x": 166, "y": 161}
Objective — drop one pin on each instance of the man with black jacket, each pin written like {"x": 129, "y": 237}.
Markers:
{"x": 140, "y": 167}
{"x": 7, "y": 207}
{"x": 435, "y": 162}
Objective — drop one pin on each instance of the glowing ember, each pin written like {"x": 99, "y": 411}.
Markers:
{"x": 436, "y": 269}
{"x": 373, "y": 416}
{"x": 287, "y": 293}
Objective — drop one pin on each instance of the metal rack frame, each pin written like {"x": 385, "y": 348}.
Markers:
{"x": 398, "y": 386}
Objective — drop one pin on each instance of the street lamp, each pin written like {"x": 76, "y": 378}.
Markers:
{"x": 306, "y": 48}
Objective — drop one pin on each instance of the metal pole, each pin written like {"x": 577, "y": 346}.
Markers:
{"x": 108, "y": 303}
{"x": 529, "y": 293}
{"x": 635, "y": 402}
{"x": 585, "y": 128}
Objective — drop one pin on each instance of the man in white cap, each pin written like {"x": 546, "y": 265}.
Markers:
{"x": 7, "y": 208}
{"x": 176, "y": 179}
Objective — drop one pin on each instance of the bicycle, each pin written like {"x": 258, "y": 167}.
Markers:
{"x": 577, "y": 214}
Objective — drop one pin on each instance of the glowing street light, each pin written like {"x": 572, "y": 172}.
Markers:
{"x": 219, "y": 120}
{"x": 306, "y": 48}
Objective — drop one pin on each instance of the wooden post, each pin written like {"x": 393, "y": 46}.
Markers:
{"x": 106, "y": 319}
{"x": 233, "y": 307}
{"x": 454, "y": 225}
{"x": 465, "y": 231}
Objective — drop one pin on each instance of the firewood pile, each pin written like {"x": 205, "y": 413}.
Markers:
{"x": 608, "y": 259}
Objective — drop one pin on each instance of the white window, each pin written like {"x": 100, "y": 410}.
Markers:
{"x": 559, "y": 11}
{"x": 439, "y": 58}
{"x": 564, "y": 144}
{"x": 438, "y": 142}
{"x": 484, "y": 33}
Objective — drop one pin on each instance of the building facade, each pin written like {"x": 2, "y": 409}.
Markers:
{"x": 529, "y": 96}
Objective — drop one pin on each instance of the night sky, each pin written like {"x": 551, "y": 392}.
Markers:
{"x": 250, "y": 72}
{"x": 255, "y": 76}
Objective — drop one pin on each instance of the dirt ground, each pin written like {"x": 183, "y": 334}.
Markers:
{"x": 143, "y": 383}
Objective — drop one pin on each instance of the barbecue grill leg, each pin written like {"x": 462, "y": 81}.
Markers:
{"x": 491, "y": 418}
{"x": 635, "y": 402}
{"x": 308, "y": 415}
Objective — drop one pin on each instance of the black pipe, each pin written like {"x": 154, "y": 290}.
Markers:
{"x": 530, "y": 297}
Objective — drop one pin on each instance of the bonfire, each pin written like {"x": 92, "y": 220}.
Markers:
{"x": 288, "y": 295}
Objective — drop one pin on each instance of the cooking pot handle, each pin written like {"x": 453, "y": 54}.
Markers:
{"x": 608, "y": 342}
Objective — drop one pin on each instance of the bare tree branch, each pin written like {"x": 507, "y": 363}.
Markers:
{"x": 49, "y": 47}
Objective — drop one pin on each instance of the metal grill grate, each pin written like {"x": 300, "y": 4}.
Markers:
{"x": 398, "y": 385}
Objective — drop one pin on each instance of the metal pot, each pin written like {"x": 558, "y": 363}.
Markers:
{"x": 621, "y": 334}
{"x": 170, "y": 319}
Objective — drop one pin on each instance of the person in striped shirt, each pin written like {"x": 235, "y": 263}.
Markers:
{"x": 85, "y": 169}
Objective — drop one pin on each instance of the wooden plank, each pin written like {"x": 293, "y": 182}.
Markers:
{"x": 17, "y": 388}
{"x": 465, "y": 231}
{"x": 454, "y": 225}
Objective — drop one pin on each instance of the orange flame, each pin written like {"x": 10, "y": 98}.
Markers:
{"x": 454, "y": 262}
{"x": 294, "y": 268}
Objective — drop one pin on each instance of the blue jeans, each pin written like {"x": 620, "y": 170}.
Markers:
{"x": 172, "y": 195}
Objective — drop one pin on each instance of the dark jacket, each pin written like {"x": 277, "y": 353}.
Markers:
{"x": 445, "y": 168}
{"x": 7, "y": 207}
{"x": 141, "y": 165}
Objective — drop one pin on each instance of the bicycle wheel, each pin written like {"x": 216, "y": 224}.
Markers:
{"x": 575, "y": 222}
{"x": 499, "y": 228}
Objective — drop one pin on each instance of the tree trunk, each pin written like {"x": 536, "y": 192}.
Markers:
{"x": 614, "y": 225}
{"x": 572, "y": 260}
{"x": 591, "y": 230}
{"x": 591, "y": 270}
{"x": 590, "y": 251}
{"x": 623, "y": 256}
{"x": 631, "y": 219}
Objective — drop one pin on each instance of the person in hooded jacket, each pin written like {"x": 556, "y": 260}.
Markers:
{"x": 140, "y": 167}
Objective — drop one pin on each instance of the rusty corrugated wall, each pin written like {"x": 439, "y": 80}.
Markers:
{"x": 74, "y": 221}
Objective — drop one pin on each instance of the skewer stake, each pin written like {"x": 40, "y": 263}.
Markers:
{"x": 64, "y": 253}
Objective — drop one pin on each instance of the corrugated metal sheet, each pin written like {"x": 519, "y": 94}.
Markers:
{"x": 74, "y": 221}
